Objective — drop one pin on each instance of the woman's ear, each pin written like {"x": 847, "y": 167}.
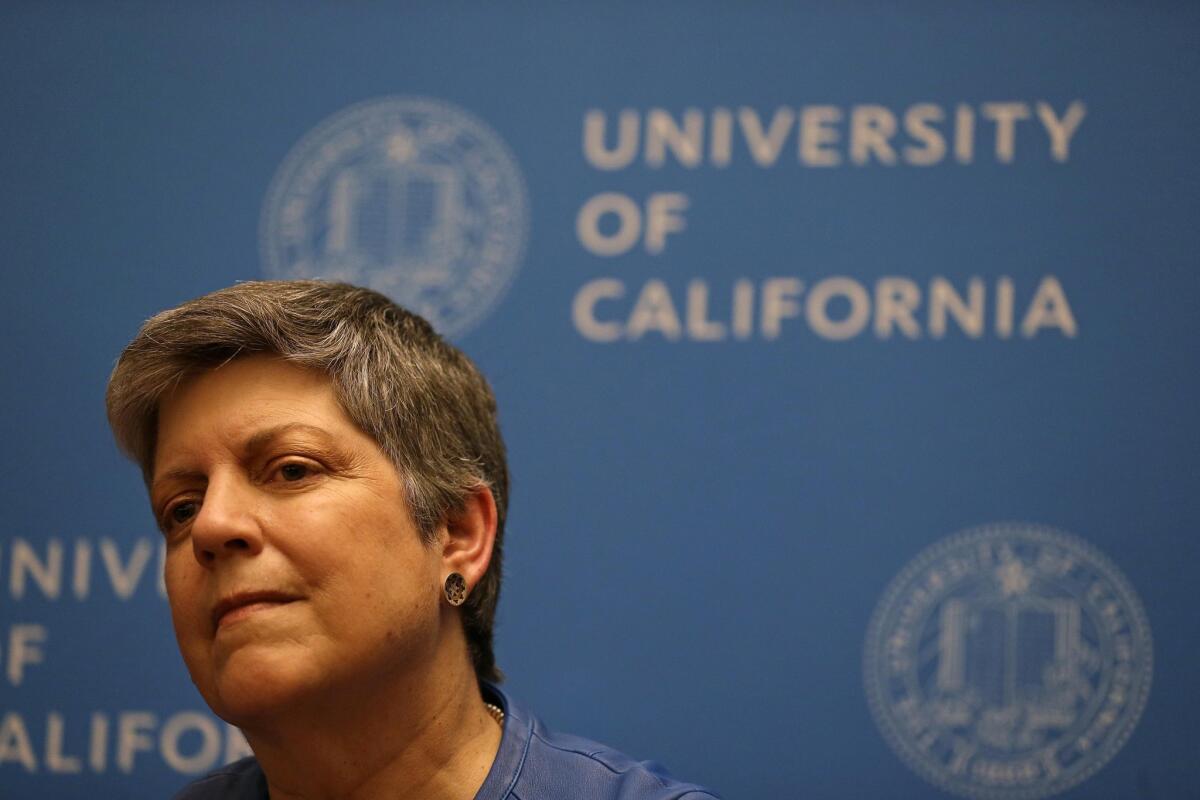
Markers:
{"x": 470, "y": 536}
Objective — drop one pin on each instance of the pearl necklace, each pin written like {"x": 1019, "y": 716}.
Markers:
{"x": 496, "y": 712}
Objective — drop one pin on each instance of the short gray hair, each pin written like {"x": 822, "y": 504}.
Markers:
{"x": 421, "y": 399}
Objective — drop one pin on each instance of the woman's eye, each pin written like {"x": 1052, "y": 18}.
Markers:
{"x": 181, "y": 512}
{"x": 293, "y": 472}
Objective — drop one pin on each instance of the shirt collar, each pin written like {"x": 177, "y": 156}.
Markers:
{"x": 514, "y": 746}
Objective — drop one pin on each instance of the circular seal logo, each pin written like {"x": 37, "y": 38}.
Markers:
{"x": 412, "y": 197}
{"x": 1008, "y": 661}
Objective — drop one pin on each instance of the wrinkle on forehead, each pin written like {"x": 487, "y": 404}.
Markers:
{"x": 240, "y": 406}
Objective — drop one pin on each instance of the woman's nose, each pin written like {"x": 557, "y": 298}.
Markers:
{"x": 227, "y": 523}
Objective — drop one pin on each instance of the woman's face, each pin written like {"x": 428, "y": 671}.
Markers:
{"x": 294, "y": 569}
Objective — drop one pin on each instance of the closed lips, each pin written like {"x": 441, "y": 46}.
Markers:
{"x": 245, "y": 599}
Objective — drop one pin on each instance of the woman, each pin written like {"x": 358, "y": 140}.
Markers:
{"x": 331, "y": 482}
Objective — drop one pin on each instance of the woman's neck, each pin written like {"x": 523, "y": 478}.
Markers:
{"x": 430, "y": 737}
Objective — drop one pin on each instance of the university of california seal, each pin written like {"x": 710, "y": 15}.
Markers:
{"x": 412, "y": 197}
{"x": 1008, "y": 661}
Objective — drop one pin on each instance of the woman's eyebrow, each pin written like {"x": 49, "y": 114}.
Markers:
{"x": 182, "y": 475}
{"x": 261, "y": 439}
{"x": 256, "y": 442}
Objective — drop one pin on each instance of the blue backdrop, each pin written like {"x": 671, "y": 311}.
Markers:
{"x": 846, "y": 358}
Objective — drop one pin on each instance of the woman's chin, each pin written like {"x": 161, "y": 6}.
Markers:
{"x": 250, "y": 686}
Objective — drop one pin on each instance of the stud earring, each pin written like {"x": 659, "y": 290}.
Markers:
{"x": 456, "y": 589}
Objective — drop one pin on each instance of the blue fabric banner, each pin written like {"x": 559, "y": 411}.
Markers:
{"x": 845, "y": 356}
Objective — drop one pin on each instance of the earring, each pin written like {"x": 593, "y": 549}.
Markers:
{"x": 456, "y": 589}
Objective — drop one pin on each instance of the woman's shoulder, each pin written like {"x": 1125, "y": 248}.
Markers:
{"x": 548, "y": 764}
{"x": 562, "y": 765}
